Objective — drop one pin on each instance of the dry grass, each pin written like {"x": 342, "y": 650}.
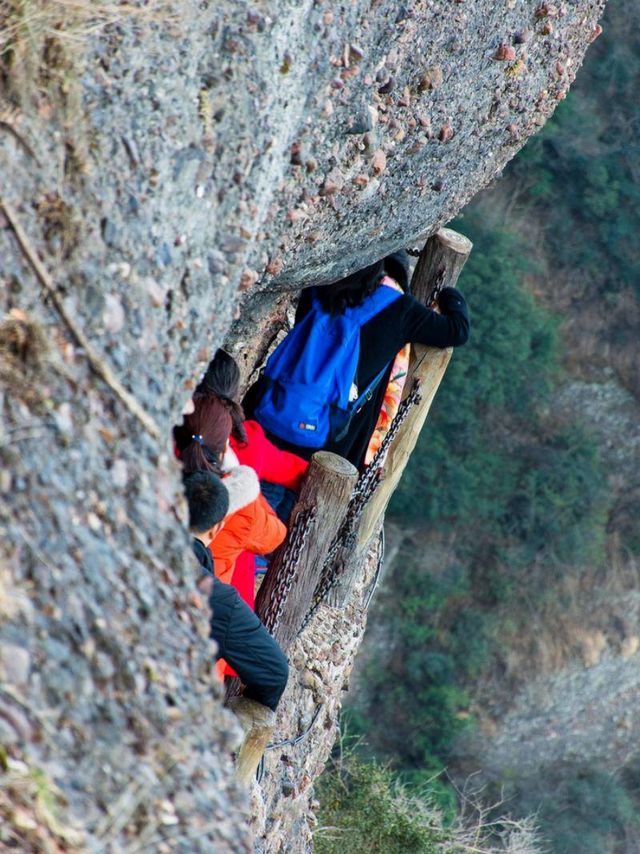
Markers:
{"x": 22, "y": 340}
{"x": 43, "y": 48}
{"x": 26, "y": 25}
{"x": 365, "y": 804}
{"x": 61, "y": 229}
{"x": 478, "y": 831}
{"x": 589, "y": 613}
{"x": 31, "y": 808}
{"x": 23, "y": 353}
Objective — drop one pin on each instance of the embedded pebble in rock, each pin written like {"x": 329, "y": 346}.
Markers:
{"x": 431, "y": 79}
{"x": 446, "y": 132}
{"x": 113, "y": 315}
{"x": 15, "y": 663}
{"x": 505, "y": 53}
{"x": 247, "y": 279}
{"x": 119, "y": 473}
{"x": 379, "y": 162}
{"x": 275, "y": 266}
{"x": 545, "y": 10}
{"x": 356, "y": 53}
{"x": 360, "y": 123}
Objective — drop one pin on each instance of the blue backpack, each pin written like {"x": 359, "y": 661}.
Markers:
{"x": 310, "y": 376}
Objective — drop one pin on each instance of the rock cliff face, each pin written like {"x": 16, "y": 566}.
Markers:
{"x": 192, "y": 160}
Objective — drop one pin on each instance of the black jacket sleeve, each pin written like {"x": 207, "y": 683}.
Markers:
{"x": 450, "y": 328}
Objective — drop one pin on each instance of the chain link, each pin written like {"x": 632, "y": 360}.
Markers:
{"x": 438, "y": 284}
{"x": 296, "y": 542}
{"x": 401, "y": 415}
{"x": 341, "y": 545}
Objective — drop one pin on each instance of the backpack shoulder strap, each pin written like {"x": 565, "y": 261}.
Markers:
{"x": 376, "y": 302}
{"x": 357, "y": 404}
{"x": 367, "y": 393}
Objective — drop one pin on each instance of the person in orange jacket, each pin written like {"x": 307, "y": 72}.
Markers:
{"x": 250, "y": 523}
{"x": 249, "y": 446}
{"x": 238, "y": 632}
{"x": 253, "y": 527}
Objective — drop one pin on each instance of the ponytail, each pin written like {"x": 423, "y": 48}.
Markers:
{"x": 202, "y": 437}
{"x": 237, "y": 421}
{"x": 198, "y": 457}
{"x": 222, "y": 380}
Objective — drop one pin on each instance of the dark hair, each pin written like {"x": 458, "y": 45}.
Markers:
{"x": 397, "y": 265}
{"x": 203, "y": 434}
{"x": 352, "y": 290}
{"x": 222, "y": 379}
{"x": 207, "y": 498}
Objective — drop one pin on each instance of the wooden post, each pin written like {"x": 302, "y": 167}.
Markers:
{"x": 441, "y": 262}
{"x": 327, "y": 488}
{"x": 444, "y": 255}
{"x": 258, "y": 723}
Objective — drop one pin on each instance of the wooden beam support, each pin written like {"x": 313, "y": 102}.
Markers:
{"x": 440, "y": 263}
{"x": 326, "y": 490}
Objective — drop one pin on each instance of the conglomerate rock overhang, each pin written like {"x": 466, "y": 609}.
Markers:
{"x": 232, "y": 150}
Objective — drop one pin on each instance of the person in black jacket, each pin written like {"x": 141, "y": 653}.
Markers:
{"x": 404, "y": 321}
{"x": 242, "y": 639}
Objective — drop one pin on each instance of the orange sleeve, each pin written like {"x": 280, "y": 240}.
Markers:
{"x": 219, "y": 669}
{"x": 267, "y": 531}
{"x": 230, "y": 542}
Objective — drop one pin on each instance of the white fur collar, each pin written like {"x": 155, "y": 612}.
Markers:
{"x": 230, "y": 460}
{"x": 243, "y": 487}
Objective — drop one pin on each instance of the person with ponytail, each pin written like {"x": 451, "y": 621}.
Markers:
{"x": 280, "y": 472}
{"x": 248, "y": 441}
{"x": 202, "y": 438}
{"x": 202, "y": 444}
{"x": 222, "y": 381}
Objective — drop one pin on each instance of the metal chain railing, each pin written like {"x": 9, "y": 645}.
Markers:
{"x": 415, "y": 252}
{"x": 339, "y": 550}
{"x": 401, "y": 415}
{"x": 380, "y": 547}
{"x": 288, "y": 742}
{"x": 296, "y": 542}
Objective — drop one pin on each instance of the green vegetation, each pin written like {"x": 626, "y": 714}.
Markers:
{"x": 366, "y": 807}
{"x": 586, "y": 803}
{"x": 579, "y": 173}
{"x": 363, "y": 807}
{"x": 494, "y": 461}
{"x": 523, "y": 495}
{"x": 503, "y": 500}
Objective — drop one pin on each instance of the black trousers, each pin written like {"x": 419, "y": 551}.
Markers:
{"x": 247, "y": 646}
